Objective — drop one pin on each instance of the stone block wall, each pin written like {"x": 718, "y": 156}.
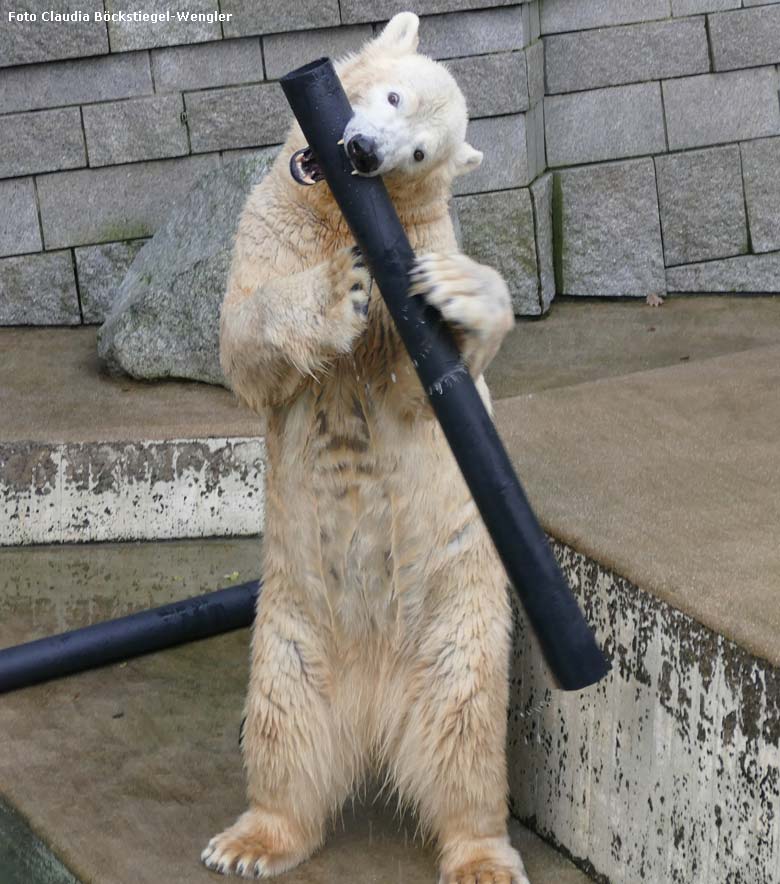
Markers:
{"x": 632, "y": 147}
{"x": 662, "y": 120}
{"x": 103, "y": 125}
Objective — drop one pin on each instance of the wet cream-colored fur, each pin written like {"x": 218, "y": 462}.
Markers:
{"x": 381, "y": 640}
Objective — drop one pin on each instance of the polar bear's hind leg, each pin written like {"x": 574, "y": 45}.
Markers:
{"x": 299, "y": 765}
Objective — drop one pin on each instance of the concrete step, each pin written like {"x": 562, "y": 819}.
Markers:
{"x": 89, "y": 457}
{"x": 124, "y": 773}
{"x": 662, "y": 489}
{"x": 647, "y": 440}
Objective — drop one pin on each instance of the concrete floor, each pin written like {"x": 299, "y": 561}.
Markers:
{"x": 126, "y": 772}
{"x": 53, "y": 388}
{"x": 583, "y": 339}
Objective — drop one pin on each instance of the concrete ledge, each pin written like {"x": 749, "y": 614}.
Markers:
{"x": 86, "y": 457}
{"x": 584, "y": 340}
{"x": 670, "y": 478}
{"x": 93, "y": 491}
{"x": 669, "y": 769}
{"x": 54, "y": 389}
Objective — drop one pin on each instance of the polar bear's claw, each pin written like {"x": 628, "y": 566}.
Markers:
{"x": 258, "y": 845}
{"x": 351, "y": 286}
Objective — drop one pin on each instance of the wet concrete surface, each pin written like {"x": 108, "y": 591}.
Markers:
{"x": 53, "y": 588}
{"x": 126, "y": 772}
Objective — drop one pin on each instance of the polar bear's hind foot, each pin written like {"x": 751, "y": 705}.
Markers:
{"x": 257, "y": 845}
{"x": 482, "y": 861}
{"x": 482, "y": 873}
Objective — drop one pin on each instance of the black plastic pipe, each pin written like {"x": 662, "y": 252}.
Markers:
{"x": 130, "y": 636}
{"x": 322, "y": 109}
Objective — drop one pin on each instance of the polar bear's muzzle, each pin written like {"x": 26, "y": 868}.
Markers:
{"x": 363, "y": 154}
{"x": 369, "y": 144}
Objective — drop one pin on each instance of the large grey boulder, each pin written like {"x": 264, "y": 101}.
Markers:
{"x": 165, "y": 318}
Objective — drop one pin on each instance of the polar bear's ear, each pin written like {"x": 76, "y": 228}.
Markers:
{"x": 467, "y": 159}
{"x": 401, "y": 33}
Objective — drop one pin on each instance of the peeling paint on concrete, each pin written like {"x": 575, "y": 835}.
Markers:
{"x": 669, "y": 769}
{"x": 80, "y": 492}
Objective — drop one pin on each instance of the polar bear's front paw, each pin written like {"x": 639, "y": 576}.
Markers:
{"x": 472, "y": 298}
{"x": 469, "y": 296}
{"x": 348, "y": 312}
{"x": 258, "y": 845}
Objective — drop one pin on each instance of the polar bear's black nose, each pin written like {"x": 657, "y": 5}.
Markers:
{"x": 362, "y": 152}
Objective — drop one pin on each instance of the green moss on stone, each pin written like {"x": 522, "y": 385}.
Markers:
{"x": 119, "y": 232}
{"x": 557, "y": 231}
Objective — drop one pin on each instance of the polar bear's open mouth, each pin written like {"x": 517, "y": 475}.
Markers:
{"x": 304, "y": 167}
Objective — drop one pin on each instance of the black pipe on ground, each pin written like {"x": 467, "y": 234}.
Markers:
{"x": 322, "y": 109}
{"x": 130, "y": 636}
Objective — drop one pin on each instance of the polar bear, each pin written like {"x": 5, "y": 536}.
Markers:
{"x": 381, "y": 640}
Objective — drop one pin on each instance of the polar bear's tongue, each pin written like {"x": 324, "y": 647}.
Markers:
{"x": 304, "y": 167}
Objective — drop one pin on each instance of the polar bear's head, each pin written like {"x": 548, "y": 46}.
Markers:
{"x": 410, "y": 116}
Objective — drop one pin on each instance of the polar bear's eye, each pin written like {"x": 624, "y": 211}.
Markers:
{"x": 394, "y": 98}
{"x": 419, "y": 155}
